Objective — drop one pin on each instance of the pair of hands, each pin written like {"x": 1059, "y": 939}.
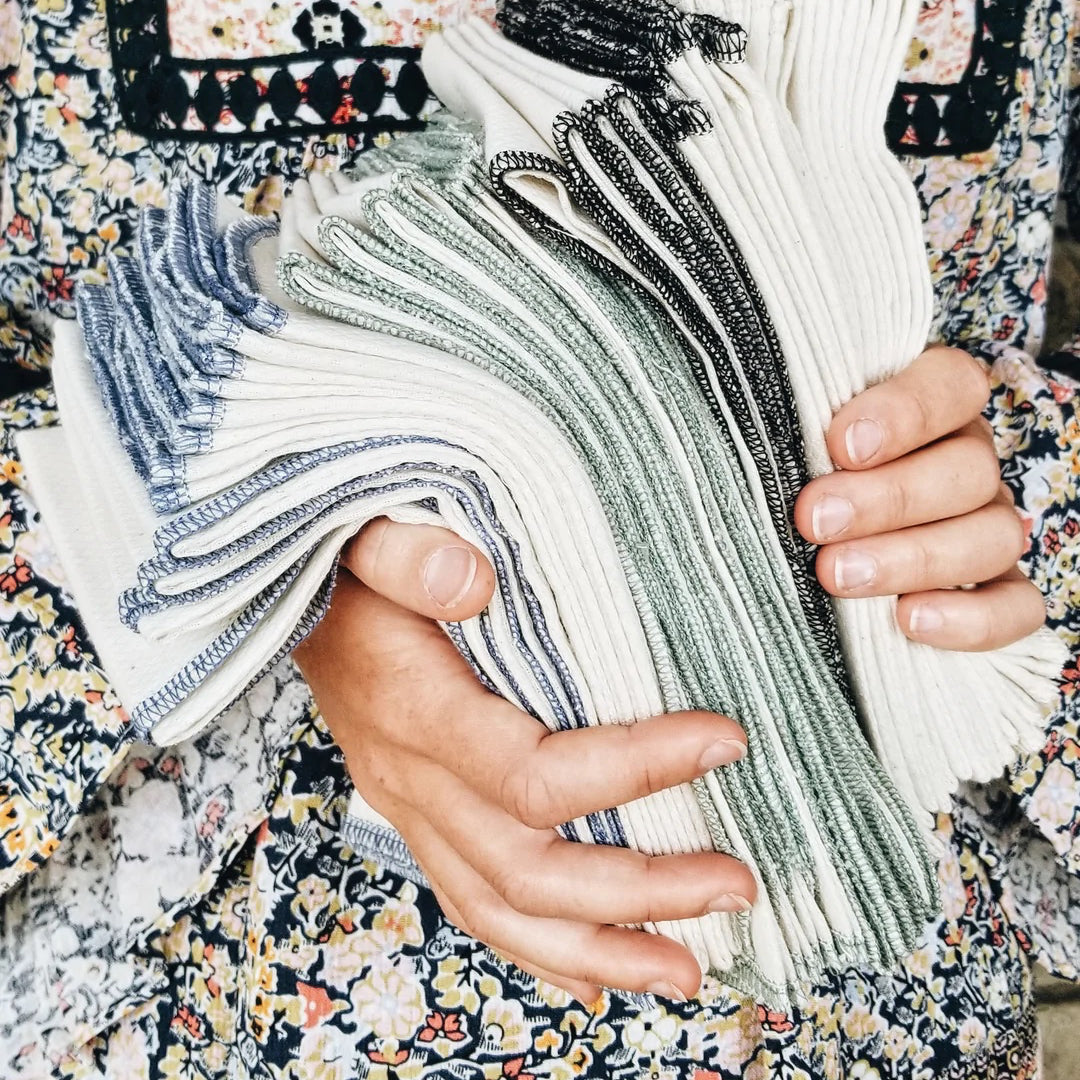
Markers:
{"x": 476, "y": 786}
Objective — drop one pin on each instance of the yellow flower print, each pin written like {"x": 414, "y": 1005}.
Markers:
{"x": 398, "y": 923}
{"x": 325, "y": 1054}
{"x": 918, "y": 964}
{"x": 176, "y": 1064}
{"x": 454, "y": 989}
{"x": 863, "y": 1070}
{"x": 312, "y": 894}
{"x": 118, "y": 178}
{"x": 895, "y": 1043}
{"x": 861, "y": 1023}
{"x": 555, "y": 997}
{"x": 129, "y": 1056}
{"x": 127, "y": 143}
{"x": 972, "y": 1036}
{"x": 230, "y": 32}
{"x": 733, "y": 1037}
{"x": 650, "y": 1032}
{"x": 266, "y": 198}
{"x": 505, "y": 1028}
{"x": 761, "y": 1068}
{"x": 579, "y": 1060}
{"x": 603, "y": 1038}
{"x": 389, "y": 1001}
{"x": 1054, "y": 798}
{"x": 548, "y": 1040}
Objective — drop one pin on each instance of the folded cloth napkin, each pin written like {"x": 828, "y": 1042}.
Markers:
{"x": 782, "y": 159}
{"x": 636, "y": 570}
{"x": 603, "y": 397}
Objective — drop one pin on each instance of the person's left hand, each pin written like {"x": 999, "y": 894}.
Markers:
{"x": 918, "y": 508}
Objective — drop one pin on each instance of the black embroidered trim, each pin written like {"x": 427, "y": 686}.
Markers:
{"x": 927, "y": 119}
{"x": 630, "y": 43}
{"x": 699, "y": 239}
{"x": 349, "y": 88}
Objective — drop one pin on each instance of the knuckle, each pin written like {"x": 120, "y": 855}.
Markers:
{"x": 978, "y": 464}
{"x": 897, "y": 506}
{"x": 1016, "y": 532}
{"x": 921, "y": 417}
{"x": 987, "y": 472}
{"x": 474, "y": 917}
{"x": 515, "y": 887}
{"x": 365, "y": 551}
{"x": 970, "y": 377}
{"x": 923, "y": 563}
{"x": 526, "y": 795}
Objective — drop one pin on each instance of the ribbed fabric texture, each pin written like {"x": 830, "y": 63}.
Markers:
{"x": 574, "y": 334}
{"x": 785, "y": 161}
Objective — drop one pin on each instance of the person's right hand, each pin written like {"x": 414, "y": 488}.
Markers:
{"x": 476, "y": 786}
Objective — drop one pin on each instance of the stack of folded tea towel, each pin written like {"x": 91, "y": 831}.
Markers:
{"x": 597, "y": 325}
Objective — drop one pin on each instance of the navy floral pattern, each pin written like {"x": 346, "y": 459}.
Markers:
{"x": 196, "y": 911}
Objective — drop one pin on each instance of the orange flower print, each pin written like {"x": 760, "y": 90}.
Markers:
{"x": 69, "y": 643}
{"x": 317, "y": 1004}
{"x": 58, "y": 286}
{"x": 1062, "y": 393}
{"x": 15, "y": 842}
{"x": 212, "y": 818}
{"x": 15, "y": 576}
{"x": 1006, "y": 328}
{"x": 395, "y": 1057}
{"x": 19, "y": 228}
{"x": 442, "y": 1025}
{"x": 188, "y": 1022}
{"x": 1070, "y": 681}
{"x": 515, "y": 1068}
{"x": 774, "y": 1021}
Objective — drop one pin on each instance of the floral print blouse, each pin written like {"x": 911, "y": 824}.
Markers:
{"x": 195, "y": 911}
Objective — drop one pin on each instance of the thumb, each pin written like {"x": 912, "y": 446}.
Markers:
{"x": 426, "y": 569}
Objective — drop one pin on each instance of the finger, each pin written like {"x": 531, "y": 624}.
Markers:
{"x": 940, "y": 392}
{"x": 988, "y": 617}
{"x": 590, "y": 953}
{"x": 536, "y": 872}
{"x": 428, "y": 570}
{"x": 585, "y": 993}
{"x": 952, "y": 477}
{"x": 545, "y": 779}
{"x": 977, "y": 547}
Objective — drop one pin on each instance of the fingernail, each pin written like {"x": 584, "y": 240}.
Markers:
{"x": 925, "y": 619}
{"x": 864, "y": 439}
{"x": 449, "y": 574}
{"x": 832, "y": 516}
{"x": 667, "y": 990}
{"x": 721, "y": 752}
{"x": 729, "y": 902}
{"x": 854, "y": 570}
